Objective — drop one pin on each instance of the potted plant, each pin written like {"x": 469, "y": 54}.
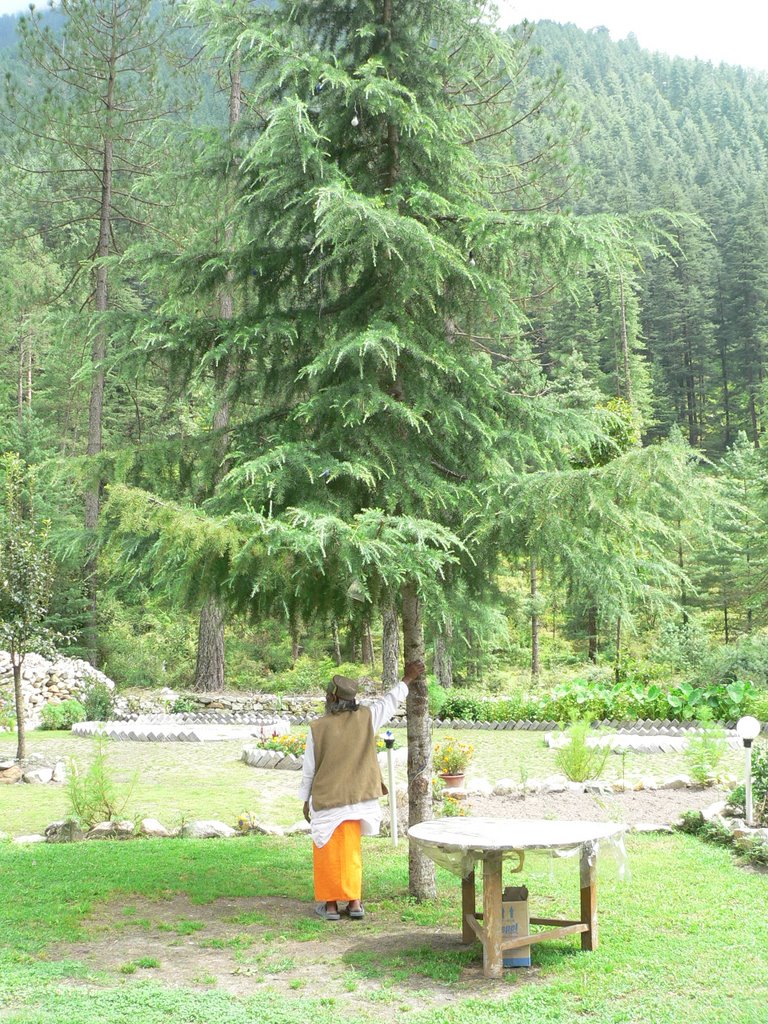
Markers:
{"x": 451, "y": 760}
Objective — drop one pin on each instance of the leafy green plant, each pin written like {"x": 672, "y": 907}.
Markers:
{"x": 759, "y": 788}
{"x": 62, "y": 716}
{"x": 97, "y": 701}
{"x": 578, "y": 760}
{"x": 92, "y": 794}
{"x": 705, "y": 749}
{"x": 184, "y": 705}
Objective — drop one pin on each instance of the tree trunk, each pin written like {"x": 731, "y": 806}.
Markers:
{"x": 209, "y": 667}
{"x": 443, "y": 657}
{"x": 617, "y": 662}
{"x": 625, "y": 343}
{"x": 725, "y": 624}
{"x": 211, "y": 626}
{"x": 21, "y": 736}
{"x": 421, "y": 870}
{"x": 369, "y": 657}
{"x": 592, "y": 633}
{"x": 336, "y": 641}
{"x": 295, "y": 646}
{"x": 98, "y": 355}
{"x": 390, "y": 647}
{"x": 535, "y": 651}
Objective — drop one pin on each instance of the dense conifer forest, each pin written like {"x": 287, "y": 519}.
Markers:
{"x": 306, "y": 332}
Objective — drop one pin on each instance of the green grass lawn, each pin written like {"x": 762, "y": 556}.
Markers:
{"x": 99, "y": 934}
{"x": 181, "y": 781}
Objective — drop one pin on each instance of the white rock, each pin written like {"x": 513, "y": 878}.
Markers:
{"x": 506, "y": 787}
{"x": 676, "y": 782}
{"x": 650, "y": 826}
{"x": 713, "y": 811}
{"x": 207, "y": 830}
{"x": 153, "y": 828}
{"x": 647, "y": 783}
{"x": 475, "y": 787}
{"x": 301, "y": 828}
{"x": 59, "y": 772}
{"x": 266, "y": 830}
{"x": 38, "y": 776}
{"x": 28, "y": 840}
{"x": 103, "y": 830}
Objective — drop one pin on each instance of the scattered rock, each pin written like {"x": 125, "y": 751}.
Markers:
{"x": 474, "y": 787}
{"x": 649, "y": 826}
{"x": 207, "y": 830}
{"x": 38, "y": 776}
{"x": 301, "y": 828}
{"x": 676, "y": 782}
{"x": 266, "y": 830}
{"x": 64, "y": 832}
{"x": 10, "y": 775}
{"x": 506, "y": 787}
{"x": 714, "y": 811}
{"x": 28, "y": 840}
{"x": 59, "y": 772}
{"x": 153, "y": 829}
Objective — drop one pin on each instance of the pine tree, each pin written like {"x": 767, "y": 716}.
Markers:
{"x": 82, "y": 127}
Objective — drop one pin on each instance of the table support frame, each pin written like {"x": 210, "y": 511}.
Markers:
{"x": 489, "y": 932}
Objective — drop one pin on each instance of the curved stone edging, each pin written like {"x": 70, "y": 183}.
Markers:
{"x": 257, "y": 757}
{"x": 177, "y": 729}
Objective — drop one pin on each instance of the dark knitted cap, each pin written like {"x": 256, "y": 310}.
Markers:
{"x": 343, "y": 688}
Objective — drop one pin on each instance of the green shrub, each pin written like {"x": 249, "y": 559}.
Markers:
{"x": 705, "y": 750}
{"x": 93, "y": 795}
{"x": 436, "y": 696}
{"x": 7, "y": 710}
{"x": 310, "y": 675}
{"x": 62, "y": 716}
{"x": 577, "y": 760}
{"x": 184, "y": 705}
{"x": 97, "y": 701}
{"x": 746, "y": 659}
{"x": 737, "y": 798}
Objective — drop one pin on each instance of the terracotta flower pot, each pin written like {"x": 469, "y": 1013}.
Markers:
{"x": 453, "y": 781}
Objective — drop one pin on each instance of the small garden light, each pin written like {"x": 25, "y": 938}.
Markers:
{"x": 748, "y": 729}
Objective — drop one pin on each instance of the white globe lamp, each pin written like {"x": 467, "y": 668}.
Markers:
{"x": 748, "y": 729}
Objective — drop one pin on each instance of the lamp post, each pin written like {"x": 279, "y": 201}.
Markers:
{"x": 389, "y": 742}
{"x": 748, "y": 729}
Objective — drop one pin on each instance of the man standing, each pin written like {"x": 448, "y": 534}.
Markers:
{"x": 341, "y": 787}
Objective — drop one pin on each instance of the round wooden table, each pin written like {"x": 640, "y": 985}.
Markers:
{"x": 458, "y": 844}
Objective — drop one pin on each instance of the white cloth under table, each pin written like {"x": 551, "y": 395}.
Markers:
{"x": 368, "y": 812}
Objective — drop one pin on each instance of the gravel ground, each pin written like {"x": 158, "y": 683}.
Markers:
{"x": 647, "y": 807}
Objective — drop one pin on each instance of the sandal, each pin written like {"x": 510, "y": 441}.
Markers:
{"x": 357, "y": 915}
{"x": 327, "y": 915}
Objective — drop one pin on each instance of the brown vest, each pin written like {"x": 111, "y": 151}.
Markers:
{"x": 346, "y": 769}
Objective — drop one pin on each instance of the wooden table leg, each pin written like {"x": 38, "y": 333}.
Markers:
{"x": 588, "y": 871}
{"x": 492, "y": 955}
{"x": 467, "y": 906}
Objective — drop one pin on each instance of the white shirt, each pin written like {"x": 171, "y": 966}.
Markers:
{"x": 324, "y": 823}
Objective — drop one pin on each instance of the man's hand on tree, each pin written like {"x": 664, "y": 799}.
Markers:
{"x": 413, "y": 670}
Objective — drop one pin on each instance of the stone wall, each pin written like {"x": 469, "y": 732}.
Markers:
{"x": 136, "y": 703}
{"x": 46, "y": 681}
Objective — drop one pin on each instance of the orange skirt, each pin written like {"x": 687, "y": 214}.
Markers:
{"x": 339, "y": 865}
